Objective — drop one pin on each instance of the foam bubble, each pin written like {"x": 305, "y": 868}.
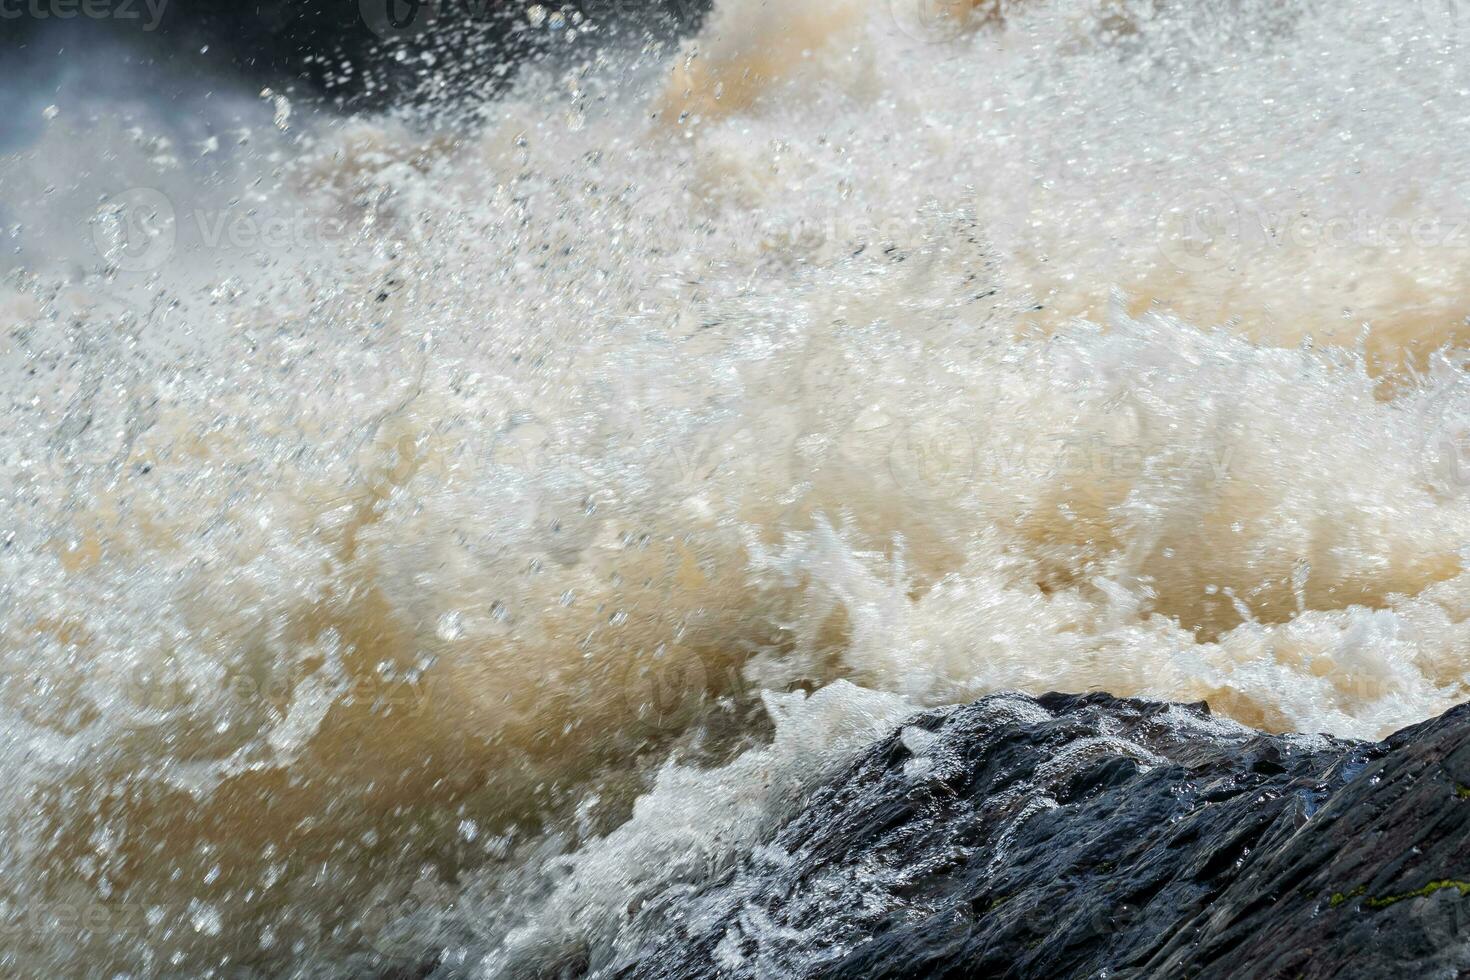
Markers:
{"x": 1077, "y": 351}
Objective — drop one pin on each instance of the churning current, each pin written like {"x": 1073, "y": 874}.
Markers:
{"x": 432, "y": 539}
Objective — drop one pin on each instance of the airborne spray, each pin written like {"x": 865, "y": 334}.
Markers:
{"x": 433, "y": 538}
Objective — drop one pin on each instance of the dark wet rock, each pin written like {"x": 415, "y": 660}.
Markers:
{"x": 302, "y": 45}
{"x": 1072, "y": 836}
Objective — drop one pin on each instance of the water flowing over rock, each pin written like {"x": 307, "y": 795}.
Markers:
{"x": 473, "y": 539}
{"x": 1072, "y": 836}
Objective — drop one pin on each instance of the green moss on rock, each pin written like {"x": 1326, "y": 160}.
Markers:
{"x": 1463, "y": 887}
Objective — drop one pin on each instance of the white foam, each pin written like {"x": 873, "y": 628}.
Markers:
{"x": 597, "y": 425}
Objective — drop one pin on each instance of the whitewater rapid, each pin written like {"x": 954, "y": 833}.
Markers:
{"x": 509, "y": 542}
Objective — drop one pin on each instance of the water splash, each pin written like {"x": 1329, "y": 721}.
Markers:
{"x": 1099, "y": 347}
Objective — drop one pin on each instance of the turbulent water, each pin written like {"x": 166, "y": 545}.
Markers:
{"x": 430, "y": 538}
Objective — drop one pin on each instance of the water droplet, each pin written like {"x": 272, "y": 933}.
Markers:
{"x": 204, "y": 918}
{"x": 450, "y": 627}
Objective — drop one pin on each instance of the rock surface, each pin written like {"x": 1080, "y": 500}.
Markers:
{"x": 301, "y": 45}
{"x": 1089, "y": 836}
